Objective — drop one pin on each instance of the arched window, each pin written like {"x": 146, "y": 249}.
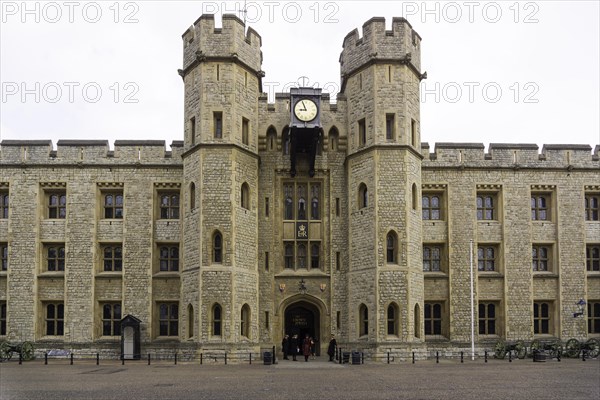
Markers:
{"x": 314, "y": 203}
{"x": 216, "y": 320}
{"x": 391, "y": 253}
{"x": 271, "y": 138}
{"x": 392, "y": 319}
{"x": 301, "y": 192}
{"x": 289, "y": 202}
{"x": 417, "y": 315}
{"x": 217, "y": 248}
{"x": 190, "y": 315}
{"x": 363, "y": 314}
{"x": 289, "y": 255}
{"x": 415, "y": 196}
{"x": 334, "y": 138}
{"x": 245, "y": 321}
{"x": 363, "y": 196}
{"x": 285, "y": 141}
{"x": 245, "y": 196}
{"x": 192, "y": 196}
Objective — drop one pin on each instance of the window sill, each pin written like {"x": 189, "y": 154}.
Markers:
{"x": 589, "y": 274}
{"x": 109, "y": 274}
{"x": 3, "y": 273}
{"x": 166, "y": 274}
{"x": 490, "y": 274}
{"x": 544, "y": 274}
{"x": 301, "y": 272}
{"x": 436, "y": 274}
{"x": 167, "y": 339}
{"x": 52, "y": 274}
{"x": 109, "y": 339}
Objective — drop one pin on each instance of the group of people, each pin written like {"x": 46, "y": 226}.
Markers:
{"x": 292, "y": 346}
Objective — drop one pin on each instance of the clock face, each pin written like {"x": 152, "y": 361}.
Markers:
{"x": 305, "y": 110}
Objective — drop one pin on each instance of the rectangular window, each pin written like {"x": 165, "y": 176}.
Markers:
{"x": 4, "y": 204}
{"x": 362, "y": 132}
{"x": 540, "y": 206}
{"x": 266, "y": 260}
{"x": 390, "y": 126}
{"x": 338, "y": 262}
{"x": 542, "y": 317}
{"x": 266, "y": 206}
{"x": 289, "y": 254}
{"x": 338, "y": 319}
{"x": 169, "y": 205}
{"x": 432, "y": 258}
{"x": 592, "y": 257}
{"x": 55, "y": 257}
{"x": 218, "y": 124}
{"x": 267, "y": 322}
{"x": 245, "y": 131}
{"x": 3, "y": 256}
{"x": 541, "y": 258}
{"x": 592, "y": 207}
{"x": 193, "y": 130}
{"x": 487, "y": 258}
{"x": 433, "y": 318}
{"x": 57, "y": 204}
{"x": 593, "y": 308}
{"x": 413, "y": 132}
{"x": 487, "y": 318}
{"x": 337, "y": 206}
{"x": 2, "y": 318}
{"x": 486, "y": 206}
{"x": 111, "y": 319}
{"x": 314, "y": 255}
{"x": 168, "y": 258}
{"x": 431, "y": 206}
{"x": 113, "y": 205}
{"x": 168, "y": 319}
{"x": 112, "y": 258}
{"x": 54, "y": 319}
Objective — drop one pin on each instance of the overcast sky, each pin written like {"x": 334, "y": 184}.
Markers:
{"x": 498, "y": 72}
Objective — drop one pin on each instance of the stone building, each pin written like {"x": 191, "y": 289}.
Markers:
{"x": 219, "y": 245}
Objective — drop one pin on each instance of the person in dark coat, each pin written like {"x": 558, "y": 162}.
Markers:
{"x": 285, "y": 347}
{"x": 306, "y": 345}
{"x": 294, "y": 346}
{"x": 332, "y": 347}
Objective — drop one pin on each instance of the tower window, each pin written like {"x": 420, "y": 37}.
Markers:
{"x": 363, "y": 196}
{"x": 217, "y": 248}
{"x": 192, "y": 130}
{"x": 390, "y": 125}
{"x": 245, "y": 131}
{"x": 218, "y": 124}
{"x": 362, "y": 132}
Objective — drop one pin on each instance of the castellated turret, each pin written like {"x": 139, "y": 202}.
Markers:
{"x": 380, "y": 75}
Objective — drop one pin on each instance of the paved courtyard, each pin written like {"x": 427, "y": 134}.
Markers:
{"x": 316, "y": 379}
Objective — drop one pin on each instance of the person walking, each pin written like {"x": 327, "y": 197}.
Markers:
{"x": 294, "y": 346}
{"x": 285, "y": 346}
{"x": 332, "y": 347}
{"x": 306, "y": 347}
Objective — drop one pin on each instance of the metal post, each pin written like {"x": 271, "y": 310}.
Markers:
{"x": 250, "y": 358}
{"x": 472, "y": 306}
{"x": 148, "y": 358}
{"x": 71, "y": 358}
{"x": 97, "y": 358}
{"x": 21, "y": 358}
{"x": 340, "y": 353}
{"x": 510, "y": 356}
{"x": 388, "y": 357}
{"x": 200, "y": 358}
{"x": 274, "y": 361}
{"x": 558, "y": 356}
{"x": 413, "y": 357}
{"x": 122, "y": 359}
{"x": 46, "y": 358}
{"x": 362, "y": 357}
{"x": 485, "y": 356}
{"x": 225, "y": 358}
{"x": 582, "y": 354}
{"x": 175, "y": 358}
{"x": 437, "y": 357}
{"x": 461, "y": 357}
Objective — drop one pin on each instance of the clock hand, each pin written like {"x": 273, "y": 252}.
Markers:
{"x": 304, "y": 105}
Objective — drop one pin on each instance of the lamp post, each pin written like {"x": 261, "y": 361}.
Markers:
{"x": 472, "y": 301}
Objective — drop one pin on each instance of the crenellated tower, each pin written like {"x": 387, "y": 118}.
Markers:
{"x": 380, "y": 75}
{"x": 222, "y": 78}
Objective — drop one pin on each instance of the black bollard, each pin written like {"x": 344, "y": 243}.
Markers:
{"x": 340, "y": 351}
{"x": 485, "y": 356}
{"x": 461, "y": 357}
{"x": 20, "y": 358}
{"x": 97, "y": 358}
{"x": 200, "y": 358}
{"x": 46, "y": 358}
{"x": 175, "y": 358}
{"x": 71, "y": 358}
{"x": 583, "y": 355}
{"x": 558, "y": 356}
{"x": 122, "y": 359}
{"x": 274, "y": 357}
{"x": 413, "y": 357}
{"x": 437, "y": 357}
{"x": 510, "y": 356}
{"x": 225, "y": 358}
{"x": 250, "y": 358}
{"x": 388, "y": 357}
{"x": 362, "y": 357}
{"x": 148, "y": 358}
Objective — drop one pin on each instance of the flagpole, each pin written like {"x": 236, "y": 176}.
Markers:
{"x": 472, "y": 308}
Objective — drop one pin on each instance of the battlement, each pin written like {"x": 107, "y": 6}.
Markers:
{"x": 508, "y": 155}
{"x": 400, "y": 44}
{"x": 202, "y": 41}
{"x": 89, "y": 152}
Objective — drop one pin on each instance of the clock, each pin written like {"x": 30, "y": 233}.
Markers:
{"x": 305, "y": 110}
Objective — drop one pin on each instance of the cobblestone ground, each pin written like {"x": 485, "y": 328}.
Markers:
{"x": 316, "y": 379}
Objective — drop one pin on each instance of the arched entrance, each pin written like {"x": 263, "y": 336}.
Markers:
{"x": 302, "y": 318}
